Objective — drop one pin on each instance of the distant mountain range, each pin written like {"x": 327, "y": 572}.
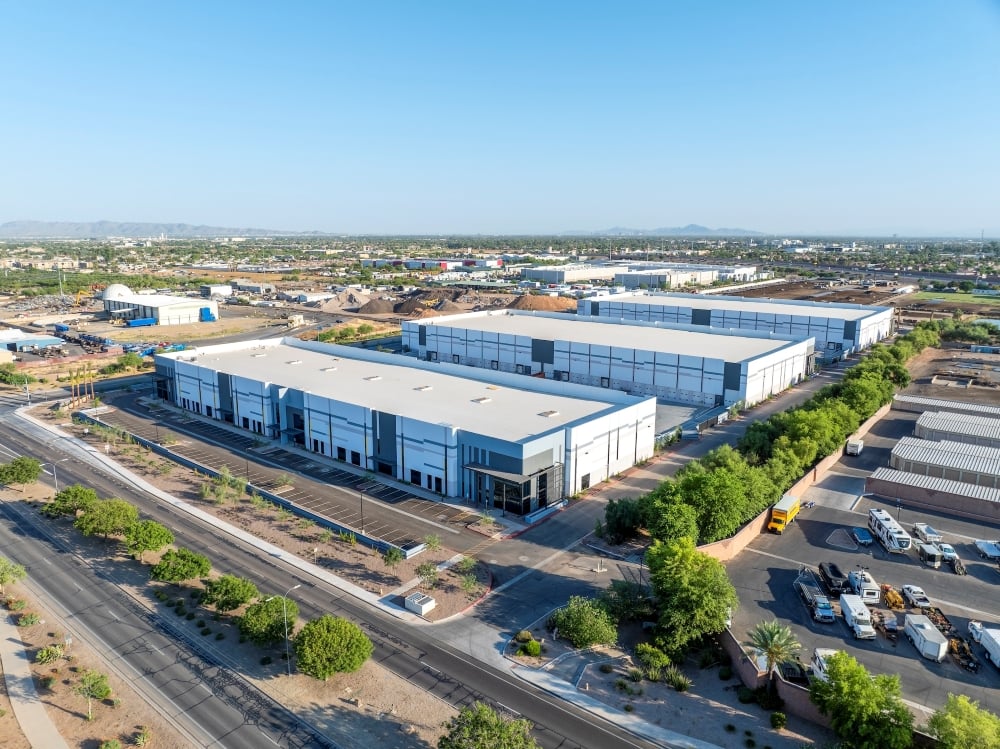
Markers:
{"x": 691, "y": 230}
{"x": 102, "y": 229}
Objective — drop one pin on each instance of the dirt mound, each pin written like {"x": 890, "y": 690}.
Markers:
{"x": 426, "y": 312}
{"x": 543, "y": 303}
{"x": 377, "y": 307}
{"x": 345, "y": 300}
{"x": 448, "y": 307}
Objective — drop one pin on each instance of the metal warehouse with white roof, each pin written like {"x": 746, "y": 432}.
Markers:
{"x": 492, "y": 438}
{"x": 837, "y": 328}
{"x": 966, "y": 428}
{"x": 957, "y": 461}
{"x": 158, "y": 309}
{"x": 680, "y": 363}
{"x": 920, "y": 404}
{"x": 915, "y": 491}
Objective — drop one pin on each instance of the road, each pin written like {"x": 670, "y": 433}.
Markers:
{"x": 412, "y": 652}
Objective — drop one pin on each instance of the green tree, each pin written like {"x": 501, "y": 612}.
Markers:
{"x": 481, "y": 727}
{"x": 177, "y": 565}
{"x": 393, "y": 557}
{"x": 22, "y": 470}
{"x": 667, "y": 515}
{"x": 962, "y": 724}
{"x": 694, "y": 594}
{"x": 71, "y": 500}
{"x": 10, "y": 573}
{"x": 622, "y": 519}
{"x": 108, "y": 517}
{"x": 331, "y": 645}
{"x": 584, "y": 622}
{"x": 428, "y": 573}
{"x": 147, "y": 535}
{"x": 267, "y": 621}
{"x": 776, "y": 642}
{"x": 229, "y": 592}
{"x": 93, "y": 685}
{"x": 868, "y": 713}
{"x": 129, "y": 361}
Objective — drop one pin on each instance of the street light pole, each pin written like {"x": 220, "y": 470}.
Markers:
{"x": 284, "y": 616}
{"x": 55, "y": 473}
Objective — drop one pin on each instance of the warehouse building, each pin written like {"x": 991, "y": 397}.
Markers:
{"x": 16, "y": 340}
{"x": 837, "y": 328}
{"x": 965, "y": 428}
{"x": 957, "y": 461}
{"x": 683, "y": 364}
{"x": 666, "y": 278}
{"x": 918, "y": 404}
{"x": 579, "y": 273}
{"x": 916, "y": 492}
{"x": 492, "y": 438}
{"x": 159, "y": 309}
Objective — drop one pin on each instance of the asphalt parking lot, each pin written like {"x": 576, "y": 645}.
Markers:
{"x": 764, "y": 574}
{"x": 380, "y": 510}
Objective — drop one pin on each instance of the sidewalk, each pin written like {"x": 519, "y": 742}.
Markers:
{"x": 28, "y": 709}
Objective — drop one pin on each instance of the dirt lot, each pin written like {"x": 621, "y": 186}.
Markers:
{"x": 956, "y": 374}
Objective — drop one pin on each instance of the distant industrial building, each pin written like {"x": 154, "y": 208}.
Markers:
{"x": 957, "y": 461}
{"x": 491, "y": 438}
{"x": 252, "y": 287}
{"x": 16, "y": 340}
{"x": 684, "y": 364}
{"x": 837, "y": 328}
{"x": 432, "y": 263}
{"x": 157, "y": 309}
{"x": 216, "y": 289}
{"x": 965, "y": 428}
{"x": 579, "y": 273}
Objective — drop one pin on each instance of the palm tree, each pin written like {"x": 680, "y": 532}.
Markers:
{"x": 776, "y": 642}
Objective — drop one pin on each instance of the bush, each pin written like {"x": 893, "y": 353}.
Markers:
{"x": 635, "y": 674}
{"x": 673, "y": 676}
{"x": 524, "y": 636}
{"x": 730, "y": 728}
{"x": 746, "y": 695}
{"x": 532, "y": 648}
{"x": 110, "y": 744}
{"x": 725, "y": 673}
{"x": 606, "y": 668}
{"x": 205, "y": 632}
{"x": 142, "y": 737}
{"x": 767, "y": 699}
{"x": 220, "y": 636}
{"x": 621, "y": 684}
{"x": 750, "y": 743}
{"x": 778, "y": 720}
{"x": 266, "y": 660}
{"x": 629, "y": 708}
{"x": 200, "y": 623}
{"x": 650, "y": 656}
{"x": 16, "y": 604}
{"x": 28, "y": 620}
{"x": 48, "y": 654}
{"x": 46, "y": 682}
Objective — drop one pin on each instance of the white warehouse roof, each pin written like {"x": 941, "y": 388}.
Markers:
{"x": 688, "y": 340}
{"x": 918, "y": 480}
{"x": 952, "y": 423}
{"x": 947, "y": 454}
{"x": 508, "y": 406}
{"x": 748, "y": 304}
{"x": 919, "y": 403}
{"x": 117, "y": 292}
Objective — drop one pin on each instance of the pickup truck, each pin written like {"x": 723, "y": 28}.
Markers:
{"x": 988, "y": 549}
{"x": 926, "y": 534}
{"x": 819, "y": 605}
{"x": 915, "y": 596}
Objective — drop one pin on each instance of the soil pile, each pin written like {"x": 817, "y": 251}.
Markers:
{"x": 448, "y": 307}
{"x": 377, "y": 307}
{"x": 345, "y": 300}
{"x": 543, "y": 303}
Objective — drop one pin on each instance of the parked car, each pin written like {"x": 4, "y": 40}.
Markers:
{"x": 948, "y": 552}
{"x": 834, "y": 580}
{"x": 915, "y": 596}
{"x": 861, "y": 536}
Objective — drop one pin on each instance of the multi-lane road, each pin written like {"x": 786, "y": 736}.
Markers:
{"x": 209, "y": 699}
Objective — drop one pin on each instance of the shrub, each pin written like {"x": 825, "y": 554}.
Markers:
{"x": 206, "y": 631}
{"x": 746, "y": 695}
{"x": 110, "y": 744}
{"x": 142, "y": 737}
{"x": 635, "y": 674}
{"x": 46, "y": 682}
{"x": 750, "y": 743}
{"x": 606, "y": 668}
{"x": 28, "y": 620}
{"x": 220, "y": 636}
{"x": 730, "y": 728}
{"x": 654, "y": 673}
{"x": 768, "y": 700}
{"x": 621, "y": 684}
{"x": 190, "y": 616}
{"x": 650, "y": 656}
{"x": 180, "y": 611}
{"x": 48, "y": 654}
{"x": 524, "y": 636}
{"x": 681, "y": 683}
{"x": 708, "y": 657}
{"x": 629, "y": 708}
{"x": 201, "y": 623}
{"x": 532, "y": 648}
{"x": 266, "y": 660}
{"x": 778, "y": 720}
{"x": 725, "y": 673}
{"x": 16, "y": 604}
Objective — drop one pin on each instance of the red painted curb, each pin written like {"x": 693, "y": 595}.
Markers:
{"x": 489, "y": 589}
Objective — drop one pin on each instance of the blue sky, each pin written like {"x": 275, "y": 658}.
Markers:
{"x": 505, "y": 118}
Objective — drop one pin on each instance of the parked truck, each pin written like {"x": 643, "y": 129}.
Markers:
{"x": 864, "y": 585}
{"x": 926, "y": 638}
{"x": 857, "y": 616}
{"x": 819, "y": 605}
{"x": 988, "y": 549}
{"x": 141, "y": 322}
{"x": 989, "y": 639}
{"x": 783, "y": 513}
{"x": 854, "y": 447}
